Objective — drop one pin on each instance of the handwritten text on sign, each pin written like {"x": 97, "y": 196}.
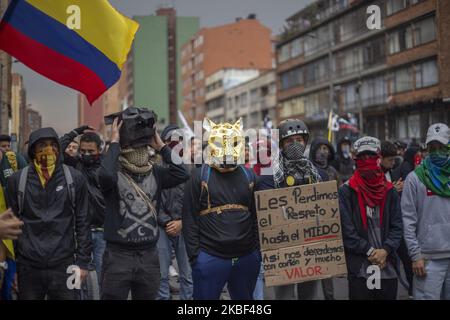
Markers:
{"x": 300, "y": 233}
{"x": 310, "y": 202}
{"x": 304, "y": 263}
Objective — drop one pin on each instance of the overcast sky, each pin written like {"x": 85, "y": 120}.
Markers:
{"x": 58, "y": 104}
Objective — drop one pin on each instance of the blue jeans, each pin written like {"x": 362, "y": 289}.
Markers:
{"x": 165, "y": 246}
{"x": 258, "y": 294}
{"x": 211, "y": 273}
{"x": 98, "y": 248}
{"x": 436, "y": 284}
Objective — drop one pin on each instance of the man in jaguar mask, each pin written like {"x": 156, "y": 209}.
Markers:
{"x": 292, "y": 168}
{"x": 131, "y": 185}
{"x": 219, "y": 221}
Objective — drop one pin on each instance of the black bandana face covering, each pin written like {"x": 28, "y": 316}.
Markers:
{"x": 322, "y": 158}
{"x": 294, "y": 151}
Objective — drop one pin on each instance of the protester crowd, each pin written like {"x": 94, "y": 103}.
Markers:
{"x": 124, "y": 209}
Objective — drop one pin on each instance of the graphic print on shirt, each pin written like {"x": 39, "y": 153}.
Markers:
{"x": 139, "y": 217}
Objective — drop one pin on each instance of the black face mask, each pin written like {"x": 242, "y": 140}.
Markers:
{"x": 70, "y": 161}
{"x": 90, "y": 159}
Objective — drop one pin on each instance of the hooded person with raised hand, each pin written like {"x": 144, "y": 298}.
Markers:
{"x": 131, "y": 184}
{"x": 426, "y": 217}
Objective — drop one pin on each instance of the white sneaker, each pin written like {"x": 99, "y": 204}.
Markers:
{"x": 172, "y": 271}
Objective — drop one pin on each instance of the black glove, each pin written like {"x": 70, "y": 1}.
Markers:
{"x": 81, "y": 129}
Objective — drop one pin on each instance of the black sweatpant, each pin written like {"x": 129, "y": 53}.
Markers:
{"x": 39, "y": 283}
{"x": 130, "y": 270}
{"x": 357, "y": 289}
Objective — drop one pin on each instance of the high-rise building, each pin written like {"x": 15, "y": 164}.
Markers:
{"x": 253, "y": 101}
{"x": 154, "y": 74}
{"x": 18, "y": 106}
{"x": 31, "y": 120}
{"x": 5, "y": 82}
{"x": 396, "y": 78}
{"x": 245, "y": 44}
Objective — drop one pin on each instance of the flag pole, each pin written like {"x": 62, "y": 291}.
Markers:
{"x": 330, "y": 119}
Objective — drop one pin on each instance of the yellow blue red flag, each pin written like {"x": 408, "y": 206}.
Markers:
{"x": 87, "y": 56}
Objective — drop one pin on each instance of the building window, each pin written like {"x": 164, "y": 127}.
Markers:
{"x": 424, "y": 31}
{"x": 254, "y": 96}
{"x": 291, "y": 79}
{"x": 393, "y": 6}
{"x": 296, "y": 48}
{"x": 317, "y": 40}
{"x": 412, "y": 35}
{"x": 400, "y": 40}
{"x": 244, "y": 99}
{"x": 284, "y": 53}
{"x": 317, "y": 72}
{"x": 401, "y": 80}
{"x": 317, "y": 104}
{"x": 426, "y": 74}
{"x": 373, "y": 91}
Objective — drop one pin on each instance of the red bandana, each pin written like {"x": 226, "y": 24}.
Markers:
{"x": 371, "y": 186}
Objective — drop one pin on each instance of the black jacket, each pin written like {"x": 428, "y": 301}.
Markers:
{"x": 356, "y": 240}
{"x": 230, "y": 234}
{"x": 53, "y": 232}
{"x": 97, "y": 206}
{"x": 406, "y": 166}
{"x": 171, "y": 204}
{"x": 344, "y": 166}
{"x": 108, "y": 178}
{"x": 329, "y": 172}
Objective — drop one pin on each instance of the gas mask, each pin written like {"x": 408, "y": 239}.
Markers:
{"x": 137, "y": 128}
{"x": 225, "y": 145}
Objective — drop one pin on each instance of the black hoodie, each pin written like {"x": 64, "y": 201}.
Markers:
{"x": 53, "y": 231}
{"x": 97, "y": 206}
{"x": 344, "y": 166}
{"x": 331, "y": 172}
{"x": 406, "y": 166}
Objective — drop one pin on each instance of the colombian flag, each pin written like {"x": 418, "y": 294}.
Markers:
{"x": 88, "y": 59}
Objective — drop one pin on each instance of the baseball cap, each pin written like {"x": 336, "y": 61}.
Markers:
{"x": 367, "y": 144}
{"x": 438, "y": 132}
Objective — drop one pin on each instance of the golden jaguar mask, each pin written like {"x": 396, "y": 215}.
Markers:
{"x": 225, "y": 145}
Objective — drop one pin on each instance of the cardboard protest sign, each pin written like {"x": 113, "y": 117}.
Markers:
{"x": 300, "y": 233}
{"x": 304, "y": 263}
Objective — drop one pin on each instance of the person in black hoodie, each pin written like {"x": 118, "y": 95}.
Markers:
{"x": 170, "y": 226}
{"x": 56, "y": 227}
{"x": 131, "y": 185}
{"x": 344, "y": 163}
{"x": 322, "y": 154}
{"x": 372, "y": 226}
{"x": 407, "y": 165}
{"x": 88, "y": 163}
